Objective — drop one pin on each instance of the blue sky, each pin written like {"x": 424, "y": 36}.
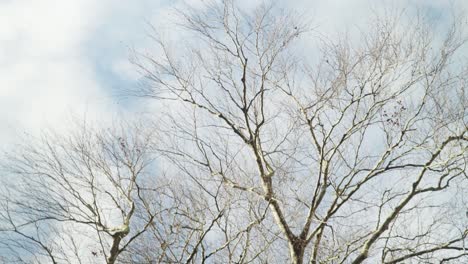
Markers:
{"x": 63, "y": 57}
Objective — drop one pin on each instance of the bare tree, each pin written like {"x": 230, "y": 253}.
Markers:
{"x": 74, "y": 198}
{"x": 358, "y": 153}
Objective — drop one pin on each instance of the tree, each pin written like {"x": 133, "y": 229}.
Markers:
{"x": 261, "y": 155}
{"x": 347, "y": 150}
{"x": 63, "y": 185}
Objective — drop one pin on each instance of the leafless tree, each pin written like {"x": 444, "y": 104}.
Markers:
{"x": 76, "y": 198}
{"x": 358, "y": 153}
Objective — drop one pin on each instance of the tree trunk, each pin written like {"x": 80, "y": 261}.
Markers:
{"x": 296, "y": 251}
{"x": 114, "y": 251}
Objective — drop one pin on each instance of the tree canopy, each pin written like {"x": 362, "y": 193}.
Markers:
{"x": 265, "y": 147}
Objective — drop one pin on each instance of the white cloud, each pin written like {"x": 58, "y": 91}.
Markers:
{"x": 45, "y": 72}
{"x": 42, "y": 63}
{"x": 44, "y": 66}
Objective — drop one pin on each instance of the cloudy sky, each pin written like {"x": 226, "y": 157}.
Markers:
{"x": 70, "y": 57}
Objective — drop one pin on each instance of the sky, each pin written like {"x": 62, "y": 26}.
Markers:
{"x": 62, "y": 58}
